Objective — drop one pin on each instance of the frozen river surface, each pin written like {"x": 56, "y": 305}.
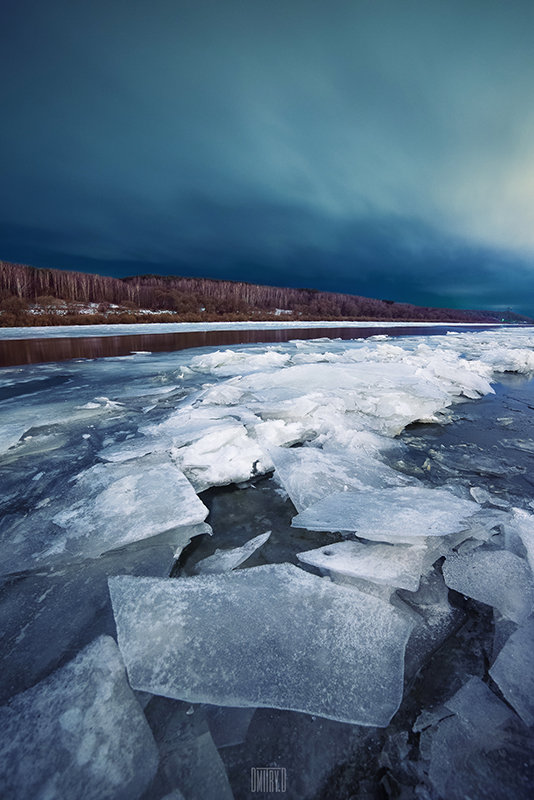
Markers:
{"x": 314, "y": 556}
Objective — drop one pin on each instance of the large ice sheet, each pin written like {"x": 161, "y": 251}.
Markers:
{"x": 396, "y": 515}
{"x": 79, "y": 733}
{"x": 388, "y": 565}
{"x": 513, "y": 673}
{"x": 308, "y": 473}
{"x": 271, "y": 636}
{"x": 104, "y": 507}
{"x": 495, "y": 577}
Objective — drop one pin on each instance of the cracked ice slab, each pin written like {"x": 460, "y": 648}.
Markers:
{"x": 513, "y": 674}
{"x": 308, "y": 474}
{"x": 495, "y": 577}
{"x": 103, "y": 508}
{"x": 398, "y": 566}
{"x": 272, "y": 636}
{"x": 395, "y": 515}
{"x": 79, "y": 733}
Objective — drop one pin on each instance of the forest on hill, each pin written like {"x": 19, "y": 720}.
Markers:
{"x": 37, "y": 296}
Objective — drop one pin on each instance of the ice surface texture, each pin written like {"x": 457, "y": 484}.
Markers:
{"x": 309, "y": 474}
{"x": 513, "y": 673}
{"x": 103, "y": 508}
{"x": 495, "y": 577}
{"x": 389, "y": 565}
{"x": 272, "y": 636}
{"x": 399, "y": 514}
{"x": 78, "y": 733}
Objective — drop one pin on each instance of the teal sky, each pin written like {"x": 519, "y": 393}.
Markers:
{"x": 379, "y": 148}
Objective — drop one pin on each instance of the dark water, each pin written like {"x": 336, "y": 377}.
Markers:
{"x": 36, "y": 351}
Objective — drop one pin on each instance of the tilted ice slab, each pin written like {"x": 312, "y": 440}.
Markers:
{"x": 153, "y": 497}
{"x": 521, "y": 524}
{"x": 225, "y": 560}
{"x": 388, "y": 565}
{"x": 513, "y": 673}
{"x": 105, "y": 507}
{"x": 396, "y": 515}
{"x": 78, "y": 733}
{"x": 308, "y": 474}
{"x": 495, "y": 577}
{"x": 272, "y": 636}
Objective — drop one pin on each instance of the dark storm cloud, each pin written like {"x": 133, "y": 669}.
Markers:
{"x": 371, "y": 147}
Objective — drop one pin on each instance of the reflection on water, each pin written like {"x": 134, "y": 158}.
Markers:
{"x": 34, "y": 351}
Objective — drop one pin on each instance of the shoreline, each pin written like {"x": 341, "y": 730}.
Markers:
{"x": 125, "y": 329}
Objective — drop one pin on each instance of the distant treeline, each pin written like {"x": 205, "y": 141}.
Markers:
{"x": 195, "y": 299}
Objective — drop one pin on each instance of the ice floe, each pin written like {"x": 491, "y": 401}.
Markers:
{"x": 513, "y": 673}
{"x": 399, "y": 514}
{"x": 495, "y": 577}
{"x": 308, "y": 474}
{"x": 101, "y": 509}
{"x": 389, "y": 565}
{"x": 271, "y": 636}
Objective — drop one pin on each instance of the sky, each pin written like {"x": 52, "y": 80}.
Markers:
{"x": 375, "y": 147}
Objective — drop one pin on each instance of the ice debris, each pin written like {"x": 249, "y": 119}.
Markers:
{"x": 272, "y": 636}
